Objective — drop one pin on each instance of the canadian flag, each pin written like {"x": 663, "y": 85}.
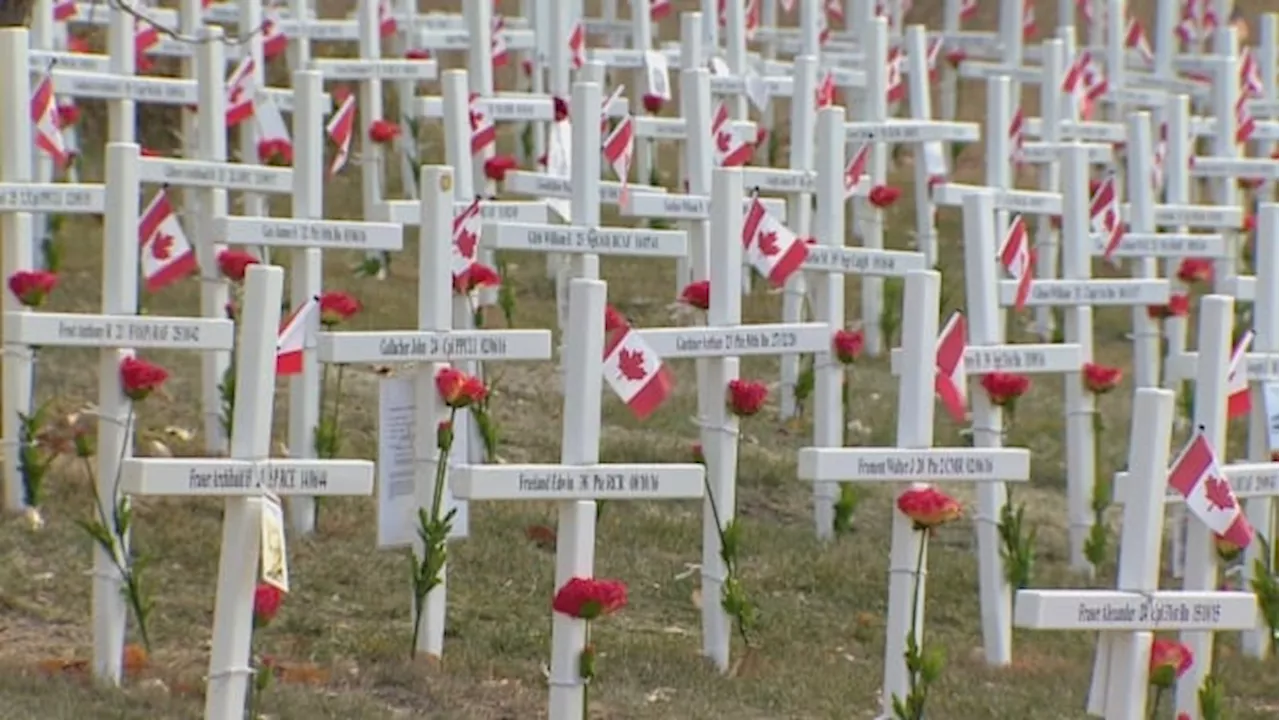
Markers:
{"x": 896, "y": 81}
{"x": 729, "y": 151}
{"x": 1017, "y": 134}
{"x": 635, "y": 372}
{"x": 826, "y": 93}
{"x": 578, "y": 46}
{"x": 1250, "y": 74}
{"x": 498, "y": 42}
{"x": 1198, "y": 477}
{"x": 466, "y": 236}
{"x": 771, "y": 248}
{"x": 274, "y": 41}
{"x": 618, "y": 149}
{"x": 386, "y": 19}
{"x": 167, "y": 256}
{"x": 64, "y": 10}
{"x": 1018, "y": 259}
{"x": 1246, "y": 123}
{"x": 659, "y": 9}
{"x": 271, "y": 125}
{"x": 1238, "y": 402}
{"x": 145, "y": 37}
{"x": 856, "y": 169}
{"x": 241, "y": 89}
{"x": 932, "y": 52}
{"x": 340, "y": 129}
{"x": 291, "y": 341}
{"x": 604, "y": 107}
{"x": 1135, "y": 38}
{"x": 1085, "y": 81}
{"x": 968, "y": 9}
{"x": 484, "y": 132}
{"x": 1086, "y": 9}
{"x": 1104, "y": 215}
{"x": 1028, "y": 19}
{"x": 44, "y": 114}
{"x": 834, "y": 10}
{"x": 950, "y": 382}
{"x": 824, "y": 30}
{"x": 752, "y": 19}
{"x": 1158, "y": 157}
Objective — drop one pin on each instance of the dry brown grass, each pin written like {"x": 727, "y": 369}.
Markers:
{"x": 344, "y": 629}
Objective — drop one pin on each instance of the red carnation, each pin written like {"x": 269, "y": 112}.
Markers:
{"x": 477, "y": 276}
{"x": 928, "y": 507}
{"x": 139, "y": 378}
{"x": 653, "y": 103}
{"x": 1101, "y": 379}
{"x": 746, "y": 397}
{"x": 32, "y": 287}
{"x": 589, "y": 598}
{"x": 335, "y": 307}
{"x": 697, "y": 294}
{"x": 847, "y": 345}
{"x": 882, "y": 196}
{"x": 1004, "y": 388}
{"x": 234, "y": 263}
{"x": 497, "y": 167}
{"x": 383, "y": 131}
{"x": 266, "y": 603}
{"x": 1195, "y": 270}
{"x": 560, "y": 108}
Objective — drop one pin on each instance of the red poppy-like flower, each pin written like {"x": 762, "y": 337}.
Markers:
{"x": 276, "y": 151}
{"x": 1170, "y": 660}
{"x": 1004, "y": 388}
{"x": 139, "y": 378}
{"x": 497, "y": 167}
{"x": 653, "y": 103}
{"x": 417, "y": 54}
{"x": 475, "y": 277}
{"x": 613, "y": 320}
{"x": 459, "y": 389}
{"x": 32, "y": 287}
{"x": 444, "y": 435}
{"x": 1101, "y": 379}
{"x": 847, "y": 345}
{"x": 1195, "y": 270}
{"x": 336, "y": 307}
{"x": 955, "y": 57}
{"x": 928, "y": 507}
{"x": 589, "y": 598}
{"x": 882, "y": 196}
{"x": 1179, "y": 305}
{"x": 68, "y": 115}
{"x": 697, "y": 294}
{"x": 695, "y": 451}
{"x": 266, "y": 603}
{"x": 383, "y": 131}
{"x": 1227, "y": 549}
{"x": 234, "y": 263}
{"x": 746, "y": 397}
{"x": 560, "y": 108}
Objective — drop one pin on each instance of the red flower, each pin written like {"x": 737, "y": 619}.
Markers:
{"x": 275, "y": 152}
{"x": 417, "y": 55}
{"x": 477, "y": 276}
{"x": 589, "y": 598}
{"x": 336, "y": 307}
{"x": 1101, "y": 379}
{"x": 1250, "y": 222}
{"x": 1179, "y": 306}
{"x": 32, "y": 287}
{"x": 233, "y": 264}
{"x": 68, "y": 115}
{"x": 266, "y": 603}
{"x": 1195, "y": 270}
{"x": 882, "y": 196}
{"x": 459, "y": 389}
{"x": 653, "y": 103}
{"x": 139, "y": 378}
{"x": 497, "y": 167}
{"x": 383, "y": 131}
{"x": 955, "y": 57}
{"x": 1227, "y": 549}
{"x": 697, "y": 294}
{"x": 746, "y": 397}
{"x": 696, "y": 451}
{"x": 1004, "y": 388}
{"x": 613, "y": 320}
{"x": 560, "y": 108}
{"x": 1170, "y": 660}
{"x": 928, "y": 507}
{"x": 847, "y": 345}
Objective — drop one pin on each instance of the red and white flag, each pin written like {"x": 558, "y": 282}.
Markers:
{"x": 340, "y": 129}
{"x": 274, "y": 41}
{"x": 618, "y": 149}
{"x": 578, "y": 46}
{"x": 166, "y": 255}
{"x": 1197, "y": 476}
{"x": 1085, "y": 81}
{"x": 271, "y": 125}
{"x": 64, "y": 10}
{"x": 484, "y": 131}
{"x": 291, "y": 341}
{"x": 729, "y": 150}
{"x": 896, "y": 82}
{"x": 1250, "y": 74}
{"x": 968, "y": 9}
{"x": 241, "y": 89}
{"x": 1104, "y": 215}
{"x": 635, "y": 372}
{"x": 659, "y": 9}
{"x": 1246, "y": 123}
{"x": 604, "y": 107}
{"x": 1028, "y": 19}
{"x": 1158, "y": 155}
{"x": 856, "y": 169}
{"x": 950, "y": 381}
{"x": 932, "y": 52}
{"x": 826, "y": 93}
{"x": 386, "y": 19}
{"x": 44, "y": 115}
{"x": 145, "y": 37}
{"x": 1135, "y": 38}
{"x": 1238, "y": 400}
{"x": 1017, "y": 136}
{"x": 466, "y": 237}
{"x": 498, "y": 42}
{"x": 1018, "y": 259}
{"x": 770, "y": 247}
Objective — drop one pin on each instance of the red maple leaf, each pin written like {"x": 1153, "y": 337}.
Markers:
{"x": 1217, "y": 491}
{"x": 722, "y": 141}
{"x": 768, "y": 243}
{"x": 162, "y": 246}
{"x": 466, "y": 244}
{"x": 631, "y": 364}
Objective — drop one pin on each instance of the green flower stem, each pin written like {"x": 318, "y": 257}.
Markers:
{"x": 913, "y": 678}
{"x": 434, "y": 532}
{"x": 1155, "y": 703}
{"x": 586, "y": 681}
{"x": 731, "y": 596}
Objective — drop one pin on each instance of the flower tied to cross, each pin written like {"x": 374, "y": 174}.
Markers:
{"x": 1099, "y": 380}
{"x": 32, "y": 287}
{"x": 589, "y": 599}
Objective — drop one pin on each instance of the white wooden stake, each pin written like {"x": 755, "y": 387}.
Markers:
{"x": 1046, "y": 236}
{"x": 1146, "y": 331}
{"x": 121, "y": 59}
{"x": 799, "y": 209}
{"x": 869, "y": 218}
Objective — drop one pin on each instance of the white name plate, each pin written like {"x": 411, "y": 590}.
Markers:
{"x": 323, "y": 30}
{"x": 1118, "y": 610}
{"x": 1168, "y": 245}
{"x": 416, "y": 346}
{"x": 1093, "y": 132}
{"x": 686, "y": 207}
{"x": 577, "y": 482}
{"x": 601, "y": 241}
{"x": 774, "y": 86}
{"x": 862, "y": 261}
{"x": 1198, "y": 216}
{"x": 161, "y": 91}
{"x": 773, "y": 339}
{"x": 902, "y": 465}
{"x": 1248, "y": 480}
{"x": 982, "y": 70}
{"x": 201, "y": 173}
{"x": 218, "y": 477}
{"x": 44, "y": 329}
{"x": 613, "y": 58}
{"x": 669, "y": 128}
{"x": 409, "y": 212}
{"x": 909, "y": 131}
{"x": 1258, "y": 367}
{"x": 1137, "y": 97}
{"x": 1259, "y": 168}
{"x": 290, "y": 232}
{"x": 461, "y": 39}
{"x": 41, "y": 60}
{"x": 52, "y": 198}
{"x": 1088, "y": 292}
{"x": 376, "y": 69}
{"x": 1043, "y": 153}
{"x": 1262, "y": 130}
{"x": 1032, "y": 202}
{"x": 549, "y": 186}
{"x": 778, "y": 180}
{"x": 502, "y": 108}
{"x": 1030, "y": 359}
